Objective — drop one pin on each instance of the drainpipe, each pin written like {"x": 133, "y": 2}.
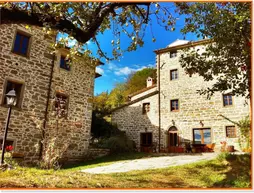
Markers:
{"x": 159, "y": 101}
{"x": 47, "y": 103}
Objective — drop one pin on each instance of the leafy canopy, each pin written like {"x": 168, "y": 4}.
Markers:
{"x": 227, "y": 60}
{"x": 84, "y": 21}
{"x": 104, "y": 102}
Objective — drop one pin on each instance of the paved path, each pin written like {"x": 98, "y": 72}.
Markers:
{"x": 151, "y": 163}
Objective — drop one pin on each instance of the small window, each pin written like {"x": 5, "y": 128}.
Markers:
{"x": 174, "y": 105}
{"x": 173, "y": 74}
{"x": 18, "y": 87}
{"x": 227, "y": 100}
{"x": 21, "y": 44}
{"x": 146, "y": 108}
{"x": 146, "y": 139}
{"x": 7, "y": 143}
{"x": 231, "y": 131}
{"x": 64, "y": 63}
{"x": 61, "y": 105}
{"x": 173, "y": 54}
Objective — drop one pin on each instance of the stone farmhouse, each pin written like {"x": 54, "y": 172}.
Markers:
{"x": 51, "y": 93}
{"x": 171, "y": 113}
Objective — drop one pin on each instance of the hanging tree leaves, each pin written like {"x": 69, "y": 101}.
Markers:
{"x": 227, "y": 60}
{"x": 84, "y": 21}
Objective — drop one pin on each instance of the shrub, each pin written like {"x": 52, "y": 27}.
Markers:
{"x": 245, "y": 138}
{"x": 225, "y": 156}
{"x": 118, "y": 144}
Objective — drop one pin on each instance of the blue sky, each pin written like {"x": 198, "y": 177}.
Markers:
{"x": 117, "y": 71}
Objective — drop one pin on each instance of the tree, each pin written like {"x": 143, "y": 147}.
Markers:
{"x": 117, "y": 96}
{"x": 83, "y": 21}
{"x": 227, "y": 59}
{"x": 100, "y": 103}
{"x": 137, "y": 80}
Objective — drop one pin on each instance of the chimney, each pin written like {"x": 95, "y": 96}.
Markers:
{"x": 149, "y": 82}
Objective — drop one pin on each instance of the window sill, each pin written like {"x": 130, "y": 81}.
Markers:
{"x": 174, "y": 111}
{"x": 65, "y": 69}
{"x": 228, "y": 106}
{"x": 19, "y": 54}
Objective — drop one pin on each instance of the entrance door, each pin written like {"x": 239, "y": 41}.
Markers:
{"x": 173, "y": 139}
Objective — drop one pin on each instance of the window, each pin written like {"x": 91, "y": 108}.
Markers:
{"x": 61, "y": 105}
{"x": 231, "y": 131}
{"x": 7, "y": 143}
{"x": 227, "y": 100}
{"x": 18, "y": 87}
{"x": 173, "y": 74}
{"x": 146, "y": 139}
{"x": 146, "y": 108}
{"x": 174, "y": 105}
{"x": 21, "y": 44}
{"x": 202, "y": 136}
{"x": 173, "y": 54}
{"x": 64, "y": 63}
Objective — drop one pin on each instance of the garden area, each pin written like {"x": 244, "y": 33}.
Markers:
{"x": 226, "y": 171}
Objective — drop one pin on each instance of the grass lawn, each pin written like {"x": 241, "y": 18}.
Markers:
{"x": 227, "y": 171}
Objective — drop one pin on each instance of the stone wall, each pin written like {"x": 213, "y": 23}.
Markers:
{"x": 132, "y": 120}
{"x": 193, "y": 108}
{"x": 34, "y": 71}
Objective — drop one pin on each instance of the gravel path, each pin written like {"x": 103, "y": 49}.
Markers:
{"x": 151, "y": 163}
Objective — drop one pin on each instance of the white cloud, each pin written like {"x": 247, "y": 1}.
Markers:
{"x": 111, "y": 66}
{"x": 124, "y": 71}
{"x": 99, "y": 70}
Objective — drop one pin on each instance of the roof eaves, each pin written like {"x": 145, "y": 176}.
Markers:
{"x": 189, "y": 44}
{"x": 137, "y": 100}
{"x": 142, "y": 90}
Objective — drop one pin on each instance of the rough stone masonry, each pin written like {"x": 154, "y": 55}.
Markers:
{"x": 195, "y": 112}
{"x": 37, "y": 89}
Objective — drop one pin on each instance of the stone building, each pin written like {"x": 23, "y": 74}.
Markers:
{"x": 178, "y": 114}
{"x": 54, "y": 96}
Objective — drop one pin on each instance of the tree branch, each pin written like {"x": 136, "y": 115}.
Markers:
{"x": 83, "y": 35}
{"x": 100, "y": 50}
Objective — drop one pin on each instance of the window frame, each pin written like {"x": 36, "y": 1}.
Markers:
{"x": 175, "y": 110}
{"x": 8, "y": 139}
{"x": 22, "y": 33}
{"x": 144, "y": 109}
{"x": 226, "y": 130}
{"x": 202, "y": 134}
{"x": 227, "y": 105}
{"x": 21, "y": 94}
{"x": 170, "y": 74}
{"x": 173, "y": 54}
{"x": 64, "y": 56}
{"x": 146, "y": 136}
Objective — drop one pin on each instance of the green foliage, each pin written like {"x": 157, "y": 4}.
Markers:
{"x": 102, "y": 128}
{"x": 225, "y": 156}
{"x": 117, "y": 96}
{"x": 137, "y": 80}
{"x": 245, "y": 134}
{"x": 84, "y": 21}
{"x": 245, "y": 126}
{"x": 100, "y": 103}
{"x": 104, "y": 102}
{"x": 118, "y": 144}
{"x": 9, "y": 160}
{"x": 227, "y": 59}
